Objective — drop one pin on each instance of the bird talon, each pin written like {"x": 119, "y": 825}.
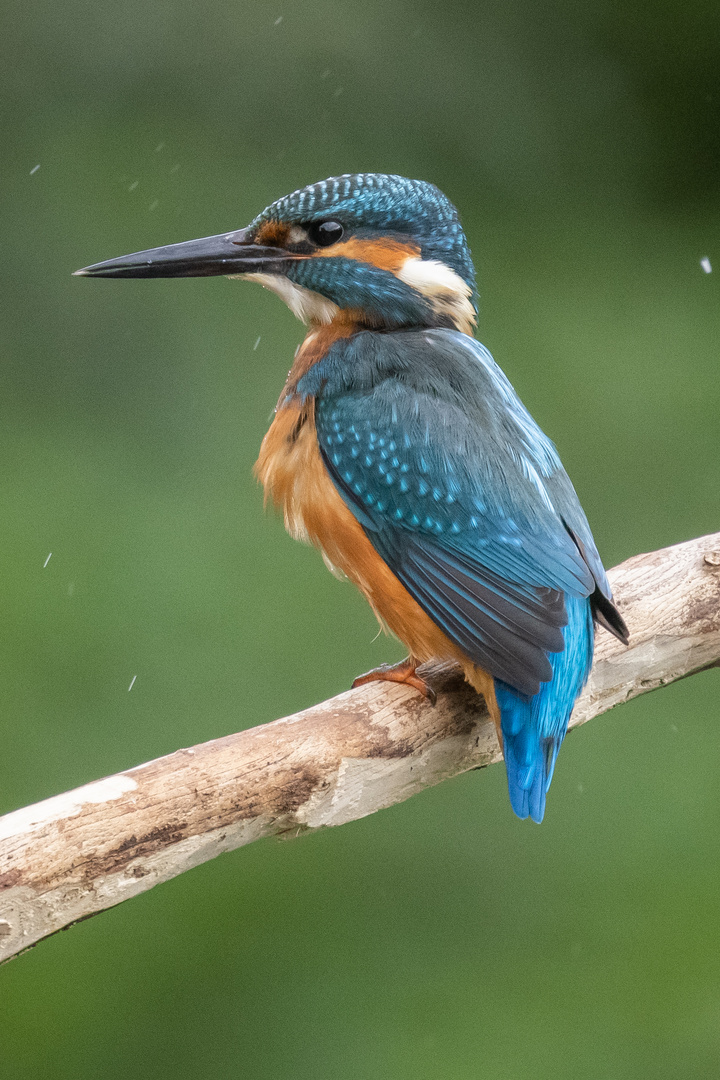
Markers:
{"x": 403, "y": 672}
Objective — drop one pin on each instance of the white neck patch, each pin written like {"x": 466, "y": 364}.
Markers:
{"x": 308, "y": 306}
{"x": 445, "y": 290}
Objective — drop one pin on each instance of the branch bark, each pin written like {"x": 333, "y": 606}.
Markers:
{"x": 73, "y": 855}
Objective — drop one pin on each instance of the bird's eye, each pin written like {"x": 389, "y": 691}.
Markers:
{"x": 325, "y": 233}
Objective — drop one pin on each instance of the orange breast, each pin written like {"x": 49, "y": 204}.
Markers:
{"x": 292, "y": 472}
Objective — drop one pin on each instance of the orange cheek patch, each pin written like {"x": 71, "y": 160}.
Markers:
{"x": 385, "y": 254}
{"x": 272, "y": 234}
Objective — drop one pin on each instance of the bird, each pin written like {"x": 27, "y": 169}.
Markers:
{"x": 400, "y": 449}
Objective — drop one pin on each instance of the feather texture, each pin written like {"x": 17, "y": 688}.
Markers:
{"x": 533, "y": 728}
{"x": 459, "y": 492}
{"x": 466, "y": 501}
{"x": 408, "y": 459}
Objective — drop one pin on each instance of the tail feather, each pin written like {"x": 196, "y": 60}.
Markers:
{"x": 534, "y": 727}
{"x": 529, "y": 780}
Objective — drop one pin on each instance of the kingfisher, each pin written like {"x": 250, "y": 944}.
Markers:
{"x": 399, "y": 449}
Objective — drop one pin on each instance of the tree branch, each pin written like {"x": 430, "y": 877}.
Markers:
{"x": 76, "y": 854}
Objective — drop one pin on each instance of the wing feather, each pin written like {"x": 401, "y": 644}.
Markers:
{"x": 462, "y": 495}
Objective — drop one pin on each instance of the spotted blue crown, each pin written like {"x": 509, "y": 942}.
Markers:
{"x": 381, "y": 204}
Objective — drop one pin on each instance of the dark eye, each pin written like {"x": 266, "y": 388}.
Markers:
{"x": 325, "y": 233}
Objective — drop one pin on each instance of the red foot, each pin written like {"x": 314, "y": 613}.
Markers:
{"x": 404, "y": 672}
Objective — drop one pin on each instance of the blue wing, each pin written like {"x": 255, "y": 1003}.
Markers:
{"x": 461, "y": 494}
{"x": 467, "y": 502}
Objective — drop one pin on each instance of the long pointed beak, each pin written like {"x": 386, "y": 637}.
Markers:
{"x": 228, "y": 253}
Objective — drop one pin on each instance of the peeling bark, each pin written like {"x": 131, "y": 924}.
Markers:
{"x": 70, "y": 856}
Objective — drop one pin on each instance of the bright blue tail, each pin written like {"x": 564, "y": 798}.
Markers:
{"x": 534, "y": 728}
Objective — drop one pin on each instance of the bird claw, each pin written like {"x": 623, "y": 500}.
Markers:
{"x": 403, "y": 672}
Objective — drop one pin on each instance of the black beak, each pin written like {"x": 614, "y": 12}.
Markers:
{"x": 228, "y": 253}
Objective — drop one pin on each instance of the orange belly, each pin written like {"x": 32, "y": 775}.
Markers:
{"x": 295, "y": 479}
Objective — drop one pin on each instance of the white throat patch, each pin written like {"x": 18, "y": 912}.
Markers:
{"x": 306, "y": 305}
{"x": 445, "y": 290}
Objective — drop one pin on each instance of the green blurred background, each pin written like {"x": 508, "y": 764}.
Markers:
{"x": 441, "y": 938}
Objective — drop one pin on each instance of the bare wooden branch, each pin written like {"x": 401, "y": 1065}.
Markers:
{"x": 89, "y": 849}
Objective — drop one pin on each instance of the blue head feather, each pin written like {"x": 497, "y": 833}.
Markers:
{"x": 381, "y": 204}
{"x": 351, "y": 284}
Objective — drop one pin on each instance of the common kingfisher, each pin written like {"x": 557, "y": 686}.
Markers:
{"x": 401, "y": 451}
